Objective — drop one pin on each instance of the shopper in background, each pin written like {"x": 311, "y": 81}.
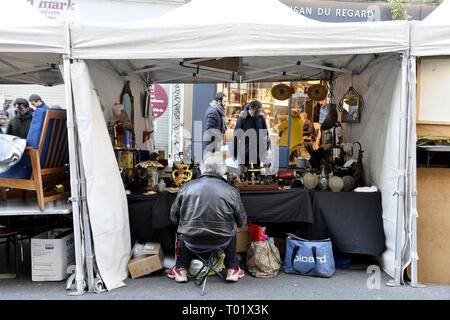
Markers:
{"x": 317, "y": 112}
{"x": 309, "y": 133}
{"x": 36, "y": 101}
{"x": 20, "y": 124}
{"x": 3, "y": 121}
{"x": 208, "y": 210}
{"x": 251, "y": 118}
{"x": 215, "y": 120}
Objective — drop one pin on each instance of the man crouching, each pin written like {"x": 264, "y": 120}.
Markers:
{"x": 208, "y": 210}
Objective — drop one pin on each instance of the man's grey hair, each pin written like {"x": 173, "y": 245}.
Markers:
{"x": 213, "y": 163}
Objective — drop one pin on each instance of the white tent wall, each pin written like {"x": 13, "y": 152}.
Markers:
{"x": 379, "y": 134}
{"x": 51, "y": 95}
{"x": 108, "y": 85}
{"x": 105, "y": 192}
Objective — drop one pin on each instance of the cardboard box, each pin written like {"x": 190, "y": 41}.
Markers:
{"x": 150, "y": 262}
{"x": 51, "y": 253}
{"x": 242, "y": 239}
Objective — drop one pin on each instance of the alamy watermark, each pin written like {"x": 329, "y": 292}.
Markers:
{"x": 374, "y": 280}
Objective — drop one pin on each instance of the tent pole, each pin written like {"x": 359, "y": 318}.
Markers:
{"x": 74, "y": 182}
{"x": 87, "y": 229}
{"x": 413, "y": 173}
{"x": 401, "y": 177}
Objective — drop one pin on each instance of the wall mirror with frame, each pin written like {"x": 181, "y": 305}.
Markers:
{"x": 351, "y": 106}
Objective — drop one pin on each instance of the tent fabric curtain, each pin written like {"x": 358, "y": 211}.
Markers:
{"x": 379, "y": 134}
{"x": 107, "y": 204}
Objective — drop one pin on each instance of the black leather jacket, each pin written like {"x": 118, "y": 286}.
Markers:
{"x": 208, "y": 210}
{"x": 20, "y": 124}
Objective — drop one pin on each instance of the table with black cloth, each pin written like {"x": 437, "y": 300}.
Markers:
{"x": 150, "y": 220}
{"x": 353, "y": 220}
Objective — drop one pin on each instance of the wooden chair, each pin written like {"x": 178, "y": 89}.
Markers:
{"x": 49, "y": 162}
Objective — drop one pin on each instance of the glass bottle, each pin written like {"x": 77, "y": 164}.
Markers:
{"x": 323, "y": 180}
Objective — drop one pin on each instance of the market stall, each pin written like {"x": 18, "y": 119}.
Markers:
{"x": 32, "y": 50}
{"x": 271, "y": 43}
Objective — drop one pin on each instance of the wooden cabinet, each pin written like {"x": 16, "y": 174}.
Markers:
{"x": 433, "y": 226}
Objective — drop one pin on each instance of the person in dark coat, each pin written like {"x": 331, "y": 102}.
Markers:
{"x": 250, "y": 118}
{"x": 20, "y": 124}
{"x": 214, "y": 123}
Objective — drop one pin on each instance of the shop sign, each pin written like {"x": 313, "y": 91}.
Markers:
{"x": 159, "y": 100}
{"x": 56, "y": 9}
{"x": 354, "y": 11}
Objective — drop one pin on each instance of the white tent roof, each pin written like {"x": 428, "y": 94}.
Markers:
{"x": 24, "y": 29}
{"x": 431, "y": 37}
{"x": 440, "y": 14}
{"x": 233, "y": 28}
{"x": 273, "y": 43}
{"x": 30, "y": 45}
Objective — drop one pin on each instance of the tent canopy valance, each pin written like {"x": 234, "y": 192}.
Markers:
{"x": 431, "y": 37}
{"x": 30, "y": 45}
{"x": 233, "y": 28}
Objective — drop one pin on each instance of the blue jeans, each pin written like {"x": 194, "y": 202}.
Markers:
{"x": 231, "y": 260}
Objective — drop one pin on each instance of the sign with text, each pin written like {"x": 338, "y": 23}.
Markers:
{"x": 354, "y": 11}
{"x": 159, "y": 100}
{"x": 57, "y": 9}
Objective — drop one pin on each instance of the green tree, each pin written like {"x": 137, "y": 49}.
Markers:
{"x": 398, "y": 10}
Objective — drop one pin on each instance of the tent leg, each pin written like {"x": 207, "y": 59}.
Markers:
{"x": 74, "y": 182}
{"x": 87, "y": 231}
{"x": 397, "y": 281}
{"x": 413, "y": 172}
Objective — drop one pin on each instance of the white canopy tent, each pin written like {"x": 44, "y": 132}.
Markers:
{"x": 30, "y": 45}
{"x": 431, "y": 37}
{"x": 33, "y": 50}
{"x": 272, "y": 43}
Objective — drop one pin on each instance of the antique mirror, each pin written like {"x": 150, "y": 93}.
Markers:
{"x": 351, "y": 106}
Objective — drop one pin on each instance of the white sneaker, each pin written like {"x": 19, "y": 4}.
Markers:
{"x": 180, "y": 275}
{"x": 234, "y": 274}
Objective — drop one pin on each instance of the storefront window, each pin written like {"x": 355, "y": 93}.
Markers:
{"x": 276, "y": 111}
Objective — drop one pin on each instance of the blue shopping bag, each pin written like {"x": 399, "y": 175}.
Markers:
{"x": 309, "y": 257}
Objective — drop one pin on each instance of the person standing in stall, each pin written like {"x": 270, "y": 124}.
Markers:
{"x": 251, "y": 118}
{"x": 309, "y": 133}
{"x": 20, "y": 124}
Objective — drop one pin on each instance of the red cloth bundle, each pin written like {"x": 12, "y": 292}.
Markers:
{"x": 256, "y": 233}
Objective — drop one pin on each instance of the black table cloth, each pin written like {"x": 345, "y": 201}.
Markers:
{"x": 147, "y": 224}
{"x": 353, "y": 221}
{"x": 278, "y": 206}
